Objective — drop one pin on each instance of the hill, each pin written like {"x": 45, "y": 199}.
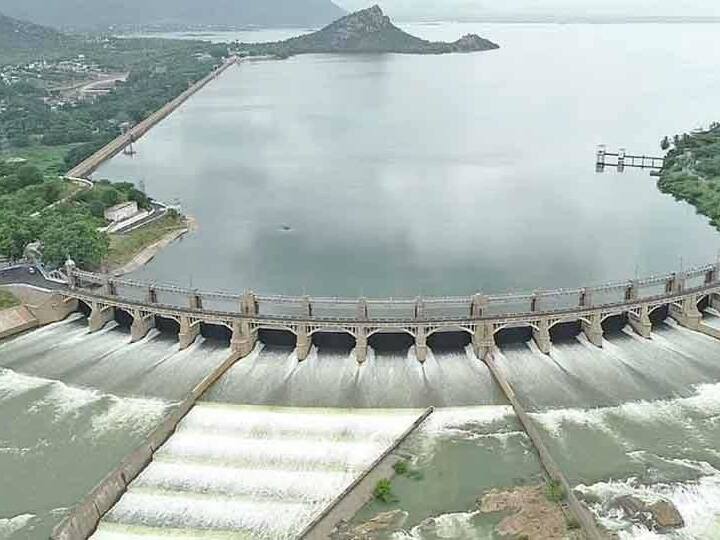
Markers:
{"x": 20, "y": 36}
{"x": 366, "y": 31}
{"x": 102, "y": 14}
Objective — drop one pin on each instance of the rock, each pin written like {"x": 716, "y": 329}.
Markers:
{"x": 372, "y": 529}
{"x": 666, "y": 515}
{"x": 658, "y": 516}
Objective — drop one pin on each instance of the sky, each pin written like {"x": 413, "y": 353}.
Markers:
{"x": 409, "y": 9}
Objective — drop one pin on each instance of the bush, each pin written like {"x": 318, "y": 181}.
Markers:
{"x": 383, "y": 491}
{"x": 556, "y": 492}
{"x": 572, "y": 523}
{"x": 401, "y": 467}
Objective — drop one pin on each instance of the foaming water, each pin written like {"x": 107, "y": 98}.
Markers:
{"x": 646, "y": 412}
{"x": 260, "y": 472}
{"x": 74, "y": 404}
{"x": 459, "y": 453}
{"x": 272, "y": 376}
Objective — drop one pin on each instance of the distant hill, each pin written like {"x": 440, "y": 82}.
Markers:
{"x": 16, "y": 35}
{"x": 102, "y": 14}
{"x": 366, "y": 31}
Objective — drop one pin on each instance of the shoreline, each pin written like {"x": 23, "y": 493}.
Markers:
{"x": 114, "y": 147}
{"x": 148, "y": 253}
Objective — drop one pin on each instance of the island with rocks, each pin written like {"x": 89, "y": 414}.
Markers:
{"x": 365, "y": 31}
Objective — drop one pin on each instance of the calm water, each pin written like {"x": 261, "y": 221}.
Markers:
{"x": 399, "y": 175}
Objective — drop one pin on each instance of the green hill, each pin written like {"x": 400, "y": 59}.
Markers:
{"x": 16, "y": 35}
{"x": 366, "y": 31}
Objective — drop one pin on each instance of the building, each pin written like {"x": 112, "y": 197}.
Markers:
{"x": 121, "y": 212}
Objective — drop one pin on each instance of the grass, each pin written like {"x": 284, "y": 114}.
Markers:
{"x": 555, "y": 492}
{"x": 124, "y": 247}
{"x": 403, "y": 468}
{"x": 7, "y": 300}
{"x": 49, "y": 159}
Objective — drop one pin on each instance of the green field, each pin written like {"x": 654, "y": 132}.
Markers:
{"x": 7, "y": 300}
{"x": 49, "y": 159}
{"x": 124, "y": 247}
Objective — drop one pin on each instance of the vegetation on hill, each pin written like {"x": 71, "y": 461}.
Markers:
{"x": 366, "y": 31}
{"x": 692, "y": 171}
{"x": 16, "y": 34}
{"x": 102, "y": 14}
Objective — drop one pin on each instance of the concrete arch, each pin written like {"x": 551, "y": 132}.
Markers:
{"x": 447, "y": 329}
{"x": 524, "y": 324}
{"x": 333, "y": 330}
{"x": 569, "y": 320}
{"x": 606, "y": 316}
{"x": 275, "y": 328}
{"x": 390, "y": 330}
{"x": 652, "y": 310}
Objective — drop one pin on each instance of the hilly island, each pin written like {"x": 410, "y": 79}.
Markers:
{"x": 365, "y": 31}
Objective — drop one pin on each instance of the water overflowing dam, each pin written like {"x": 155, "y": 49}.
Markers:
{"x": 73, "y": 404}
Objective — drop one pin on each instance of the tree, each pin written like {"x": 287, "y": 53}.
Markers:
{"x": 665, "y": 143}
{"x": 76, "y": 238}
{"x": 29, "y": 175}
{"x": 15, "y": 234}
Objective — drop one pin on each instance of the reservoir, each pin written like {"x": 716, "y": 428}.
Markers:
{"x": 393, "y": 175}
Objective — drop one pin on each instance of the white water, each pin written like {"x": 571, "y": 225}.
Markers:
{"x": 73, "y": 405}
{"x": 274, "y": 376}
{"x": 643, "y": 421}
{"x": 255, "y": 471}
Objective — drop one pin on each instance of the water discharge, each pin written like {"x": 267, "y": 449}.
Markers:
{"x": 73, "y": 405}
{"x": 252, "y": 472}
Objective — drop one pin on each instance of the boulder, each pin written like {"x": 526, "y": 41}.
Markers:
{"x": 658, "y": 516}
{"x": 666, "y": 516}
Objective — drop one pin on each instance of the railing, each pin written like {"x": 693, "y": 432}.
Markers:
{"x": 478, "y": 306}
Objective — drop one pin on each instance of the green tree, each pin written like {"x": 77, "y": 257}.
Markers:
{"x": 75, "y": 238}
{"x": 16, "y": 233}
{"x": 665, "y": 143}
{"x": 29, "y": 175}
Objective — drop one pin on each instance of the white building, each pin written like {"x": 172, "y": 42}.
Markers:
{"x": 121, "y": 212}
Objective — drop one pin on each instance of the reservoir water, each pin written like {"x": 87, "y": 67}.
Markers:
{"x": 405, "y": 175}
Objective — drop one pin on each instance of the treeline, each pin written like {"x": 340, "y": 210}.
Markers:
{"x": 692, "y": 170}
{"x": 159, "y": 70}
{"x": 67, "y": 229}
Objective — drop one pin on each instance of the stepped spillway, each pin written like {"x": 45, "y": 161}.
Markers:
{"x": 242, "y": 471}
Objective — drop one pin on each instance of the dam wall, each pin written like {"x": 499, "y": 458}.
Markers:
{"x": 114, "y": 147}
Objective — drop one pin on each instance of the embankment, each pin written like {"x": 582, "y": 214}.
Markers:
{"x": 357, "y": 494}
{"x": 87, "y": 167}
{"x": 584, "y": 518}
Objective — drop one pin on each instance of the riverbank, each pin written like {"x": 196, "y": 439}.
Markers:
{"x": 692, "y": 172}
{"x": 131, "y": 251}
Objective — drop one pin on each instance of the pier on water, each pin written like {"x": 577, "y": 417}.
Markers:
{"x": 621, "y": 159}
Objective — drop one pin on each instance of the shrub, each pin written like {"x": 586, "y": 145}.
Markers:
{"x": 555, "y": 491}
{"x": 383, "y": 491}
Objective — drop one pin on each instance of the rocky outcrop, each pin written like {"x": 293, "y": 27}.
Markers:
{"x": 660, "y": 515}
{"x": 376, "y": 528}
{"x": 366, "y": 31}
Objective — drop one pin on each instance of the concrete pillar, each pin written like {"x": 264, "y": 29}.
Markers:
{"x": 478, "y": 305}
{"x": 196, "y": 301}
{"x": 307, "y": 306}
{"x": 361, "y": 345}
{"x": 585, "y": 299}
{"x": 593, "y": 330}
{"x": 419, "y": 309}
{"x": 304, "y": 342}
{"x": 714, "y": 301}
{"x": 152, "y": 296}
{"x": 109, "y": 288}
{"x": 687, "y": 314}
{"x": 248, "y": 304}
{"x": 483, "y": 340}
{"x": 642, "y": 325}
{"x": 141, "y": 325}
{"x": 188, "y": 332}
{"x": 99, "y": 316}
{"x": 541, "y": 336}
{"x": 421, "y": 348}
{"x": 243, "y": 339}
{"x": 362, "y": 309}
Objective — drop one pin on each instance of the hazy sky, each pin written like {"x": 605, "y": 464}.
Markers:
{"x": 475, "y": 8}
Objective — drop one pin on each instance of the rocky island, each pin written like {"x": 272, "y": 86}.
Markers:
{"x": 365, "y": 31}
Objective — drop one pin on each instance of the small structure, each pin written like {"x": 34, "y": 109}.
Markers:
{"x": 121, "y": 212}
